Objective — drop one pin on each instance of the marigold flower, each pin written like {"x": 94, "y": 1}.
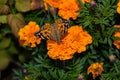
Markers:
{"x": 117, "y": 34}
{"x": 118, "y": 7}
{"x": 118, "y": 10}
{"x": 68, "y": 9}
{"x": 77, "y": 38}
{"x": 45, "y": 6}
{"x": 75, "y": 41}
{"x": 96, "y": 69}
{"x": 26, "y": 34}
{"x": 117, "y": 26}
{"x": 65, "y": 11}
{"x": 59, "y": 51}
{"x": 53, "y": 3}
{"x": 117, "y": 44}
{"x": 86, "y": 1}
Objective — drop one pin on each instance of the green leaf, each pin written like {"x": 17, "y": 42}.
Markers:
{"x": 3, "y": 19}
{"x": 4, "y": 59}
{"x": 22, "y": 5}
{"x": 2, "y": 2}
{"x": 109, "y": 42}
{"x": 1, "y": 36}
{"x": 16, "y": 72}
{"x": 90, "y": 61}
{"x": 10, "y": 2}
{"x": 4, "y": 9}
{"x": 12, "y": 49}
{"x": 4, "y": 43}
{"x": 21, "y": 58}
{"x": 53, "y": 74}
{"x": 103, "y": 41}
{"x": 16, "y": 21}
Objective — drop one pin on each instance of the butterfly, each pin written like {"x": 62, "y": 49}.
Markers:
{"x": 54, "y": 31}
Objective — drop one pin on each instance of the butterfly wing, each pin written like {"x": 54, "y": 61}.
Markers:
{"x": 46, "y": 31}
{"x": 39, "y": 35}
{"x": 53, "y": 32}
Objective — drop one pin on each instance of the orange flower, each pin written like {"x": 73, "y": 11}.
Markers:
{"x": 45, "y": 6}
{"x": 75, "y": 41}
{"x": 59, "y": 51}
{"x": 26, "y": 34}
{"x": 117, "y": 42}
{"x": 117, "y": 26}
{"x": 78, "y": 38}
{"x": 96, "y": 69}
{"x": 118, "y": 7}
{"x": 68, "y": 9}
{"x": 86, "y": 1}
{"x": 53, "y": 3}
{"x": 117, "y": 34}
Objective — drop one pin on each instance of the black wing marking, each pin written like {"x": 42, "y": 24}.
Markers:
{"x": 39, "y": 35}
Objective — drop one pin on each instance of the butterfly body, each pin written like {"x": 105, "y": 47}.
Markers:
{"x": 54, "y": 31}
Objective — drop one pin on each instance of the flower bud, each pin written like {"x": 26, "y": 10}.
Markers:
{"x": 53, "y": 10}
{"x": 93, "y": 4}
{"x": 25, "y": 71}
{"x": 36, "y": 4}
{"x": 80, "y": 77}
{"x": 112, "y": 58}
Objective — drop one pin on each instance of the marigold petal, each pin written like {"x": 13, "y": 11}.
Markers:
{"x": 67, "y": 12}
{"x": 96, "y": 69}
{"x": 26, "y": 34}
{"x": 118, "y": 10}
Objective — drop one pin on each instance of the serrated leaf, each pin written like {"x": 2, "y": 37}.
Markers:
{"x": 109, "y": 42}
{"x": 16, "y": 22}
{"x": 4, "y": 43}
{"x": 60, "y": 73}
{"x": 47, "y": 66}
{"x": 22, "y": 5}
{"x": 53, "y": 74}
{"x": 90, "y": 61}
{"x": 38, "y": 60}
{"x": 3, "y": 19}
{"x": 16, "y": 72}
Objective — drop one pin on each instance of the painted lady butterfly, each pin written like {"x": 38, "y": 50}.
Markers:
{"x": 54, "y": 31}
